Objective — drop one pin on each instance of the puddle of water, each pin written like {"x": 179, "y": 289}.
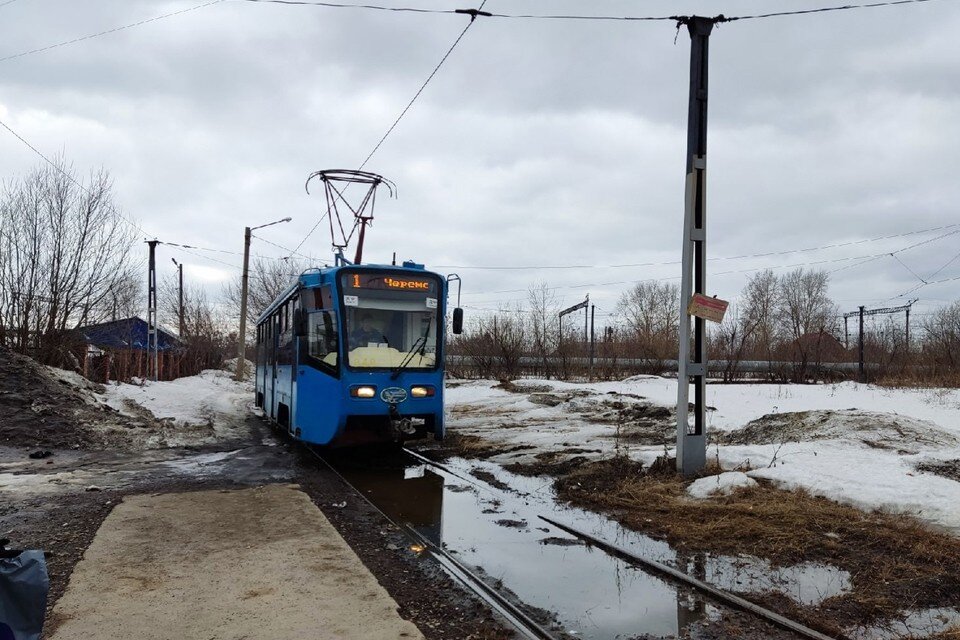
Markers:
{"x": 593, "y": 595}
{"x": 916, "y": 624}
{"x": 809, "y": 583}
{"x": 196, "y": 464}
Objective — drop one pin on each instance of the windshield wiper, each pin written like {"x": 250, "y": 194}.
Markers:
{"x": 420, "y": 346}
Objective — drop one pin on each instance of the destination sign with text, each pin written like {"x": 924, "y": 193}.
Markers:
{"x": 390, "y": 282}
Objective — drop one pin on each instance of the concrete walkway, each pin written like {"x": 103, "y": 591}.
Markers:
{"x": 224, "y": 565}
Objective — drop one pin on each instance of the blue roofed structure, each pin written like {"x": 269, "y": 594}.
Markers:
{"x": 129, "y": 333}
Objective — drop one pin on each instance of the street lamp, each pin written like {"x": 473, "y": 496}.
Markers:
{"x": 241, "y": 347}
{"x": 180, "y": 270}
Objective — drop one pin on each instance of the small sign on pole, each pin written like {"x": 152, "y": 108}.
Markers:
{"x": 712, "y": 309}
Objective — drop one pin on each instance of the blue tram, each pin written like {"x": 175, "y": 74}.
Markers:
{"x": 353, "y": 354}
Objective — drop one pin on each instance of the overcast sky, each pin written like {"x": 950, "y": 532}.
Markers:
{"x": 539, "y": 143}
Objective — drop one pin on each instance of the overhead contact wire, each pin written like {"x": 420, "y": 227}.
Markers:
{"x": 673, "y": 262}
{"x": 612, "y": 18}
{"x": 393, "y": 126}
{"x": 109, "y": 31}
{"x": 69, "y": 177}
{"x": 422, "y": 87}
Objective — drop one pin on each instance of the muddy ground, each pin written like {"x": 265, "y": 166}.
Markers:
{"x": 64, "y": 521}
{"x": 41, "y": 411}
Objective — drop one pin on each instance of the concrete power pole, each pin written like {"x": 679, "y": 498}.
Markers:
{"x": 692, "y": 439}
{"x": 242, "y": 344}
{"x": 180, "y": 304}
{"x": 593, "y": 339}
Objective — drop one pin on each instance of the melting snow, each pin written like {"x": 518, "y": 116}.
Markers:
{"x": 722, "y": 484}
{"x": 855, "y": 443}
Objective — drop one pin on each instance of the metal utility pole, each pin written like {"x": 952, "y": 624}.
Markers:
{"x": 586, "y": 317}
{"x": 692, "y": 439}
{"x": 907, "y": 336}
{"x": 242, "y": 341}
{"x": 153, "y": 346}
{"x": 580, "y": 305}
{"x": 860, "y": 376}
{"x": 862, "y": 312}
{"x": 593, "y": 339}
{"x": 180, "y": 304}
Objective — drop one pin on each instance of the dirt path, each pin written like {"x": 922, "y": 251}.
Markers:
{"x": 253, "y": 563}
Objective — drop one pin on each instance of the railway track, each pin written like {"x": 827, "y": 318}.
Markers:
{"x": 526, "y": 626}
{"x": 516, "y": 617}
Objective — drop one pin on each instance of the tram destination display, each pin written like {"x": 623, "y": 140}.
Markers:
{"x": 390, "y": 282}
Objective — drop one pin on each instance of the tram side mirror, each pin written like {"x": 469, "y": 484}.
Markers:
{"x": 299, "y": 323}
{"x": 458, "y": 320}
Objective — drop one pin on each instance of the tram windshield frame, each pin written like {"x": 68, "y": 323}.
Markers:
{"x": 391, "y": 319}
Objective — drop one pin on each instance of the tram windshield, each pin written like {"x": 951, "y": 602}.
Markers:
{"x": 390, "y": 320}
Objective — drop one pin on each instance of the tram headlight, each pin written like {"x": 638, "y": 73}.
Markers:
{"x": 422, "y": 392}
{"x": 363, "y": 391}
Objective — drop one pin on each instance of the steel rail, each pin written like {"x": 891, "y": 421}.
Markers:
{"x": 666, "y": 570}
{"x": 430, "y": 463}
{"x": 527, "y": 627}
{"x": 716, "y": 593}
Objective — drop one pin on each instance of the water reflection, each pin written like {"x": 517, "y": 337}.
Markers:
{"x": 592, "y": 594}
{"x": 411, "y": 495}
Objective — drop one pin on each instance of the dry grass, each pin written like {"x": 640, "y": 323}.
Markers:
{"x": 895, "y": 562}
{"x": 914, "y": 380}
{"x": 470, "y": 446}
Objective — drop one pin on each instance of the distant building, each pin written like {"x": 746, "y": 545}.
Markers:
{"x": 821, "y": 347}
{"x": 117, "y": 350}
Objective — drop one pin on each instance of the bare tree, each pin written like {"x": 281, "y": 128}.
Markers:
{"x": 543, "y": 323}
{"x": 808, "y": 313}
{"x": 760, "y": 313}
{"x": 268, "y": 279}
{"x": 650, "y": 310}
{"x": 206, "y": 339}
{"x": 941, "y": 343}
{"x": 64, "y": 248}
{"x": 494, "y": 344}
{"x": 730, "y": 340}
{"x": 125, "y": 298}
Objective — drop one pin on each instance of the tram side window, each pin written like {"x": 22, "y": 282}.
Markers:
{"x": 323, "y": 337}
{"x": 317, "y": 298}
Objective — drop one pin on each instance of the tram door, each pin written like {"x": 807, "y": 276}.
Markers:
{"x": 277, "y": 326}
{"x": 293, "y": 359}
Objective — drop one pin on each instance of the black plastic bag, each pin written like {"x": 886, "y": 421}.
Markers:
{"x": 23, "y": 594}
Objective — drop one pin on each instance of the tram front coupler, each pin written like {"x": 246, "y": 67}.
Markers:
{"x": 399, "y": 425}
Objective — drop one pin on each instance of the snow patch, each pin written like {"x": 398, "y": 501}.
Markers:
{"x": 873, "y": 429}
{"x": 863, "y": 445}
{"x": 723, "y": 484}
{"x": 202, "y": 399}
